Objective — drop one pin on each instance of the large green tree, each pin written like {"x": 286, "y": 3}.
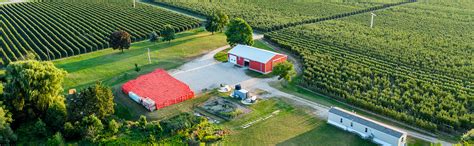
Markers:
{"x": 168, "y": 33}
{"x": 212, "y": 23}
{"x": 222, "y": 21}
{"x": 217, "y": 22}
{"x": 97, "y": 99}
{"x": 31, "y": 88}
{"x": 284, "y": 70}
{"x": 239, "y": 32}
{"x": 120, "y": 40}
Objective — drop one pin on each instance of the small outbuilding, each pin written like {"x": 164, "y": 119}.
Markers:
{"x": 379, "y": 133}
{"x": 255, "y": 59}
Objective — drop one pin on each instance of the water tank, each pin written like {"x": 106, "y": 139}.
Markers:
{"x": 238, "y": 87}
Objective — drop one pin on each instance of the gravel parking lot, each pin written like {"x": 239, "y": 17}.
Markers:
{"x": 207, "y": 73}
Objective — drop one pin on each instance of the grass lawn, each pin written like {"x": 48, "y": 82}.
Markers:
{"x": 260, "y": 44}
{"x": 291, "y": 88}
{"x": 222, "y": 55}
{"x": 113, "y": 67}
{"x": 290, "y": 126}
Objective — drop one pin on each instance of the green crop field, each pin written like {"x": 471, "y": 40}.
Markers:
{"x": 53, "y": 30}
{"x": 415, "y": 65}
{"x": 268, "y": 15}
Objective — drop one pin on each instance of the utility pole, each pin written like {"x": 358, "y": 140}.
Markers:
{"x": 149, "y": 58}
{"x": 134, "y": 1}
{"x": 372, "y": 21}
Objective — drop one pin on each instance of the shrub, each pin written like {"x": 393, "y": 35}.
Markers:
{"x": 113, "y": 127}
{"x": 70, "y": 131}
{"x": 153, "y": 127}
{"x": 211, "y": 138}
{"x": 142, "y": 122}
{"x": 39, "y": 129}
{"x": 92, "y": 128}
{"x": 55, "y": 140}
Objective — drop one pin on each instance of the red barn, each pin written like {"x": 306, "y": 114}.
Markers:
{"x": 157, "y": 90}
{"x": 255, "y": 59}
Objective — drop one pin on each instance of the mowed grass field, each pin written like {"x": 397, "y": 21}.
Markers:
{"x": 291, "y": 126}
{"x": 113, "y": 67}
{"x": 293, "y": 89}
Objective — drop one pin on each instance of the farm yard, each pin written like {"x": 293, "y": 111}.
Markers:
{"x": 407, "y": 64}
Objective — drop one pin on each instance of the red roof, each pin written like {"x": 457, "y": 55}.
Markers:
{"x": 159, "y": 86}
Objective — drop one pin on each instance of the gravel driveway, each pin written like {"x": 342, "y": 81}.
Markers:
{"x": 207, "y": 73}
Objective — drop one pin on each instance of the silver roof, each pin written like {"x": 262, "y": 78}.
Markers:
{"x": 252, "y": 53}
{"x": 367, "y": 122}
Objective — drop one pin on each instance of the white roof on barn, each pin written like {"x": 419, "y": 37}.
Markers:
{"x": 367, "y": 122}
{"x": 252, "y": 53}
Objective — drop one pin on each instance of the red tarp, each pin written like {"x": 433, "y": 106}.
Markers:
{"x": 161, "y": 87}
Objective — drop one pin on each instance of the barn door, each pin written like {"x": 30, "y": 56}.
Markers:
{"x": 232, "y": 59}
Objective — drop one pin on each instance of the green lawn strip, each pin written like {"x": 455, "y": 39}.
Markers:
{"x": 222, "y": 55}
{"x": 417, "y": 142}
{"x": 290, "y": 126}
{"x": 293, "y": 89}
{"x": 114, "y": 67}
{"x": 255, "y": 74}
{"x": 325, "y": 134}
{"x": 262, "y": 45}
